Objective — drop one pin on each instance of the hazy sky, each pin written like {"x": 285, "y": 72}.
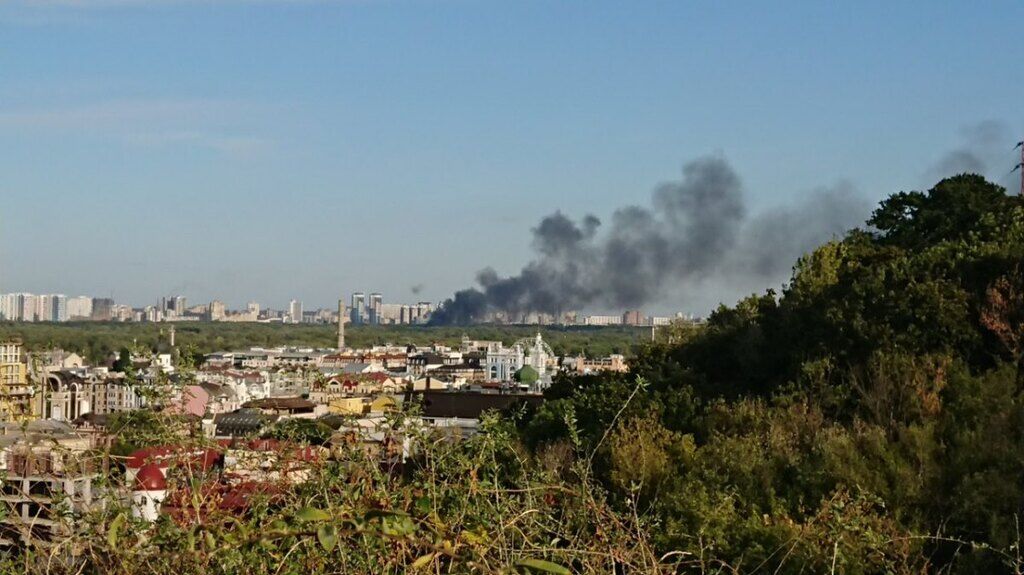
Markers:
{"x": 278, "y": 149}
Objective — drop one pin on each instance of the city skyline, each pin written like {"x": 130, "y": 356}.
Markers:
{"x": 192, "y": 301}
{"x": 364, "y": 309}
{"x": 410, "y": 145}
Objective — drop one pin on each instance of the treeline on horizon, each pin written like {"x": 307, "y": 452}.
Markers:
{"x": 97, "y": 340}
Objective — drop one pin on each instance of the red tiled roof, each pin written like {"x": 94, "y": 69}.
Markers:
{"x": 216, "y": 498}
{"x": 150, "y": 478}
{"x": 164, "y": 456}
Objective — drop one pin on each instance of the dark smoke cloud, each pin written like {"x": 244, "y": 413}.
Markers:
{"x": 416, "y": 289}
{"x": 695, "y": 229}
{"x": 984, "y": 150}
{"x": 772, "y": 241}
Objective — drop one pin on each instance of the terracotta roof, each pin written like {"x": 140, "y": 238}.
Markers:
{"x": 166, "y": 455}
{"x": 150, "y": 478}
{"x": 216, "y": 498}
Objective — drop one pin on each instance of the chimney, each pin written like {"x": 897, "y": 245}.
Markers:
{"x": 341, "y": 324}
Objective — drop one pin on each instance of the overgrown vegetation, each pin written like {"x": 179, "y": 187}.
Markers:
{"x": 477, "y": 505}
{"x": 868, "y": 419}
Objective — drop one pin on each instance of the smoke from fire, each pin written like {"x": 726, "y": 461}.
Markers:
{"x": 694, "y": 229}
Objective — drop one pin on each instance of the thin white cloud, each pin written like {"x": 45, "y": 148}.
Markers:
{"x": 44, "y": 13}
{"x": 90, "y": 4}
{"x": 115, "y": 113}
{"x": 210, "y": 124}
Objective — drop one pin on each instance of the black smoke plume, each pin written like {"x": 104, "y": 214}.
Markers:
{"x": 984, "y": 149}
{"x": 695, "y": 229}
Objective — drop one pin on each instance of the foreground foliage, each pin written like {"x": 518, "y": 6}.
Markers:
{"x": 478, "y": 505}
{"x": 868, "y": 419}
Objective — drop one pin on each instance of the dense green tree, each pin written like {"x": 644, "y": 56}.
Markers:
{"x": 866, "y": 419}
{"x": 310, "y": 431}
{"x": 123, "y": 363}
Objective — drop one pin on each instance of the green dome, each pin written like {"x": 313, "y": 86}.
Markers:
{"x": 527, "y": 375}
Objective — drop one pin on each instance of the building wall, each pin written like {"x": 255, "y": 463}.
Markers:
{"x": 80, "y": 307}
{"x": 15, "y": 393}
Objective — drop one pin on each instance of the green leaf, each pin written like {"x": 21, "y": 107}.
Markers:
{"x": 545, "y": 566}
{"x": 312, "y": 514}
{"x": 397, "y": 525}
{"x": 113, "y": 529}
{"x": 423, "y": 505}
{"x": 328, "y": 536}
{"x": 423, "y": 561}
{"x": 384, "y": 513}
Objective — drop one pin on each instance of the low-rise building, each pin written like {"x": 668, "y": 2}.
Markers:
{"x": 47, "y": 481}
{"x": 66, "y": 395}
{"x": 583, "y": 365}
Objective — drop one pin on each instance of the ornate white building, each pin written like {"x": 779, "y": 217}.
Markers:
{"x": 502, "y": 362}
{"x": 68, "y": 396}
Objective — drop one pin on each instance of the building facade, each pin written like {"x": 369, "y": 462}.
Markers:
{"x": 15, "y": 391}
{"x": 295, "y": 311}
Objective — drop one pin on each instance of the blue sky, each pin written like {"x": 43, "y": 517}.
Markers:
{"x": 278, "y": 149}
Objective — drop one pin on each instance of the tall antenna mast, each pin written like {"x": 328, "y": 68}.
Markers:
{"x": 1020, "y": 165}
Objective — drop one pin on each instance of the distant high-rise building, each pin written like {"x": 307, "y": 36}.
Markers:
{"x": 29, "y": 307}
{"x": 633, "y": 317}
{"x": 374, "y": 306}
{"x": 123, "y": 313}
{"x": 253, "y": 309}
{"x": 423, "y": 311}
{"x": 390, "y": 313}
{"x": 217, "y": 310}
{"x": 295, "y": 311}
{"x": 171, "y": 307}
{"x": 102, "y": 309}
{"x": 358, "y": 308}
{"x": 603, "y": 320}
{"x": 60, "y": 307}
{"x": 179, "y": 304}
{"x": 80, "y": 308}
{"x": 44, "y": 308}
{"x": 10, "y": 309}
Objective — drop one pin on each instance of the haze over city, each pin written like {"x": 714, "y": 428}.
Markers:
{"x": 276, "y": 150}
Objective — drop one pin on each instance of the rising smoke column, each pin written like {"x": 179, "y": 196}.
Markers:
{"x": 696, "y": 228}
{"x": 984, "y": 148}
